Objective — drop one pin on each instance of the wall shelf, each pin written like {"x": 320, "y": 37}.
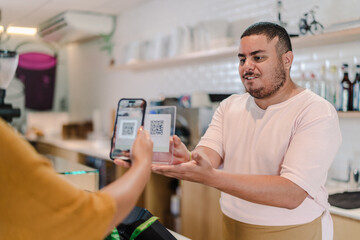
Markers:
{"x": 341, "y": 36}
{"x": 183, "y": 59}
{"x": 328, "y": 38}
{"x": 350, "y": 114}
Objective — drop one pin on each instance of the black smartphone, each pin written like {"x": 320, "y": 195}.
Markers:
{"x": 129, "y": 117}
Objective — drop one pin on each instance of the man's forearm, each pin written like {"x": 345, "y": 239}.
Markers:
{"x": 262, "y": 189}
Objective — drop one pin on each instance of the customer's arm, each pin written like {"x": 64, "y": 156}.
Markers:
{"x": 127, "y": 189}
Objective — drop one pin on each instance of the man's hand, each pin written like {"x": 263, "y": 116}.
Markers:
{"x": 180, "y": 153}
{"x": 199, "y": 169}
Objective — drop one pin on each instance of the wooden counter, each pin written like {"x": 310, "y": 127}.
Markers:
{"x": 201, "y": 217}
{"x": 156, "y": 196}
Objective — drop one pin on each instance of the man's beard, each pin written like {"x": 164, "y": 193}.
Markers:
{"x": 262, "y": 92}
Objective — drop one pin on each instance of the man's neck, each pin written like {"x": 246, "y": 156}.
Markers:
{"x": 288, "y": 90}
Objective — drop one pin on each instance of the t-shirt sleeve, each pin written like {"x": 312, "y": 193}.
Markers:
{"x": 39, "y": 204}
{"x": 312, "y": 148}
{"x": 78, "y": 213}
{"x": 213, "y": 137}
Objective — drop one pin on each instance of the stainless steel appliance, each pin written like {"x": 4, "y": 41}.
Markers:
{"x": 191, "y": 124}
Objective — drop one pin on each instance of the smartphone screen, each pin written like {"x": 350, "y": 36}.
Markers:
{"x": 129, "y": 117}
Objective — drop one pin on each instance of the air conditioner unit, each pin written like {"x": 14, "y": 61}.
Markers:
{"x": 73, "y": 26}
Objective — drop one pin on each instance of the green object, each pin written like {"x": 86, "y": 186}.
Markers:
{"x": 114, "y": 235}
{"x": 142, "y": 227}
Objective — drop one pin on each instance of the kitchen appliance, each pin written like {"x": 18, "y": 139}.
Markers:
{"x": 8, "y": 64}
{"x": 191, "y": 124}
{"x": 37, "y": 71}
{"x": 73, "y": 26}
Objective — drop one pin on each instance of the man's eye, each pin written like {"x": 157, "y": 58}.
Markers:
{"x": 258, "y": 58}
{"x": 242, "y": 61}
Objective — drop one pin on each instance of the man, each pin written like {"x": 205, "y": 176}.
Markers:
{"x": 276, "y": 143}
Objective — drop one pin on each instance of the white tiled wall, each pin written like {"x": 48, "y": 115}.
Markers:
{"x": 161, "y": 17}
{"x": 88, "y": 66}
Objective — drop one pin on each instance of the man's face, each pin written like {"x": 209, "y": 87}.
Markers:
{"x": 261, "y": 69}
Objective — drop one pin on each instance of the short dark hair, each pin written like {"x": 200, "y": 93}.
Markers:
{"x": 271, "y": 30}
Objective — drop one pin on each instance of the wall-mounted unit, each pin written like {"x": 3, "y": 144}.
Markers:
{"x": 74, "y": 26}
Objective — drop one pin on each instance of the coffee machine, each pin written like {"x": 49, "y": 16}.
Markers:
{"x": 8, "y": 65}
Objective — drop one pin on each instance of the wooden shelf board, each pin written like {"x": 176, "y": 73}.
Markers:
{"x": 342, "y": 36}
{"x": 183, "y": 59}
{"x": 350, "y": 114}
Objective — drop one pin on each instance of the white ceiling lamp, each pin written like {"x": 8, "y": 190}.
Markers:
{"x": 21, "y": 30}
{"x": 5, "y": 32}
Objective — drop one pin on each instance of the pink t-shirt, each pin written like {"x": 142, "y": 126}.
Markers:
{"x": 296, "y": 139}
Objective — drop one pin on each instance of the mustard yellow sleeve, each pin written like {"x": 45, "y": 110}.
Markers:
{"x": 36, "y": 203}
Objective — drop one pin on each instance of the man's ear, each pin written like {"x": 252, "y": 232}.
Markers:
{"x": 287, "y": 58}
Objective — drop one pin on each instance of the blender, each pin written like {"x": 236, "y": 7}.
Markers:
{"x": 8, "y": 65}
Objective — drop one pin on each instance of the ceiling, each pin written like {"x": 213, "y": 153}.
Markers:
{"x": 28, "y": 13}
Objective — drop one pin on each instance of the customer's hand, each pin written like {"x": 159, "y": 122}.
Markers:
{"x": 141, "y": 152}
{"x": 142, "y": 149}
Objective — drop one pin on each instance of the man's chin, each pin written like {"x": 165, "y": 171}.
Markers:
{"x": 256, "y": 93}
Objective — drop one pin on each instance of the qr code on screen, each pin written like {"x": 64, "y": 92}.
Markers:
{"x": 156, "y": 127}
{"x": 127, "y": 129}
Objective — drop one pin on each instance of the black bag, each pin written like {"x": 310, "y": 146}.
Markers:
{"x": 144, "y": 226}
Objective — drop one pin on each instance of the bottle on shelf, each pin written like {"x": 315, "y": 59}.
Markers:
{"x": 332, "y": 79}
{"x": 344, "y": 101}
{"x": 356, "y": 89}
{"x": 314, "y": 86}
{"x": 322, "y": 84}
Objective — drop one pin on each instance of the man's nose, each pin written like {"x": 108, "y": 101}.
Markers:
{"x": 248, "y": 65}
